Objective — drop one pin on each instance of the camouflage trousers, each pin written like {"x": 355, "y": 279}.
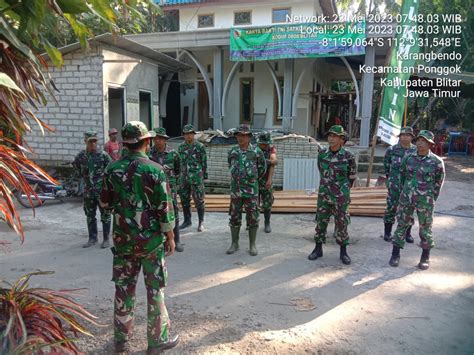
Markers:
{"x": 265, "y": 197}
{"x": 341, "y": 219}
{"x": 196, "y": 191}
{"x": 174, "y": 195}
{"x": 237, "y": 204}
{"x": 126, "y": 269}
{"x": 90, "y": 208}
{"x": 393, "y": 197}
{"x": 405, "y": 219}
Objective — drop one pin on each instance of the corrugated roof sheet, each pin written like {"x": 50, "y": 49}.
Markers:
{"x": 176, "y": 2}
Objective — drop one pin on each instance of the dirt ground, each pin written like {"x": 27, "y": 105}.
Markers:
{"x": 280, "y": 302}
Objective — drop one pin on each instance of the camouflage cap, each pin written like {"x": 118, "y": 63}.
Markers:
{"x": 90, "y": 136}
{"x": 113, "y": 131}
{"x": 161, "y": 132}
{"x": 428, "y": 135}
{"x": 406, "y": 130}
{"x": 188, "y": 129}
{"x": 337, "y": 129}
{"x": 265, "y": 138}
{"x": 243, "y": 129}
{"x": 135, "y": 131}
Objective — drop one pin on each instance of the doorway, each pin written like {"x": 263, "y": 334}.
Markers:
{"x": 145, "y": 108}
{"x": 204, "y": 121}
{"x": 172, "y": 121}
{"x": 116, "y": 96}
{"x": 246, "y": 100}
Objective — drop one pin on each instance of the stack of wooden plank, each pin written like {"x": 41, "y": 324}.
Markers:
{"x": 365, "y": 201}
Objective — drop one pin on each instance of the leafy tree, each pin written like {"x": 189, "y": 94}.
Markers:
{"x": 33, "y": 318}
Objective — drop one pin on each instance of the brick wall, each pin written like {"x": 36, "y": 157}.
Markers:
{"x": 78, "y": 109}
{"x": 218, "y": 171}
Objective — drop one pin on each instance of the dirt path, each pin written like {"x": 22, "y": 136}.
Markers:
{"x": 278, "y": 302}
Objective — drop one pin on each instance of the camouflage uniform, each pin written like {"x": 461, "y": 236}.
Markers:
{"x": 193, "y": 159}
{"x": 337, "y": 171}
{"x": 246, "y": 168}
{"x": 91, "y": 166}
{"x": 136, "y": 190}
{"x": 392, "y": 164}
{"x": 334, "y": 193}
{"x": 422, "y": 177}
{"x": 169, "y": 160}
{"x": 421, "y": 181}
{"x": 266, "y": 195}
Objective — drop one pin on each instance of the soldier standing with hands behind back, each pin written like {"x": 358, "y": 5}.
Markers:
{"x": 168, "y": 158}
{"x": 193, "y": 173}
{"x": 136, "y": 190}
{"x": 392, "y": 163}
{"x": 422, "y": 176}
{"x": 337, "y": 171}
{"x": 247, "y": 165}
{"x": 90, "y": 164}
{"x": 266, "y": 183}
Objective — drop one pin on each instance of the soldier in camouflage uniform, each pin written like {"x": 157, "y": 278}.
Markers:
{"x": 193, "y": 173}
{"x": 168, "y": 158}
{"x": 337, "y": 171}
{"x": 422, "y": 176}
{"x": 90, "y": 164}
{"x": 392, "y": 162}
{"x": 247, "y": 165}
{"x": 266, "y": 183}
{"x": 136, "y": 190}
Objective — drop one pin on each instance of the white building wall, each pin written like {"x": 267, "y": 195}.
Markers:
{"x": 81, "y": 104}
{"x": 133, "y": 73}
{"x": 77, "y": 109}
{"x": 261, "y": 12}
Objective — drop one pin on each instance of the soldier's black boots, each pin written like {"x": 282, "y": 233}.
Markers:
{"x": 187, "y": 218}
{"x": 408, "y": 237}
{"x": 234, "y": 231}
{"x": 200, "y": 212}
{"x": 317, "y": 252}
{"x": 387, "y": 234}
{"x": 171, "y": 343}
{"x": 92, "y": 229}
{"x": 267, "y": 214}
{"x": 346, "y": 260}
{"x": 177, "y": 241}
{"x": 105, "y": 233}
{"x": 122, "y": 347}
{"x": 395, "y": 259}
{"x": 252, "y": 239}
{"x": 424, "y": 263}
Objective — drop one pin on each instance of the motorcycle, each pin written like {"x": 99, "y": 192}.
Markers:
{"x": 46, "y": 190}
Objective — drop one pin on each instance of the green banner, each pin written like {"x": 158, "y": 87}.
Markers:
{"x": 307, "y": 40}
{"x": 401, "y": 59}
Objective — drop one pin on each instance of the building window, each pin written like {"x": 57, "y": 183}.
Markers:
{"x": 243, "y": 18}
{"x": 206, "y": 20}
{"x": 279, "y": 15}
